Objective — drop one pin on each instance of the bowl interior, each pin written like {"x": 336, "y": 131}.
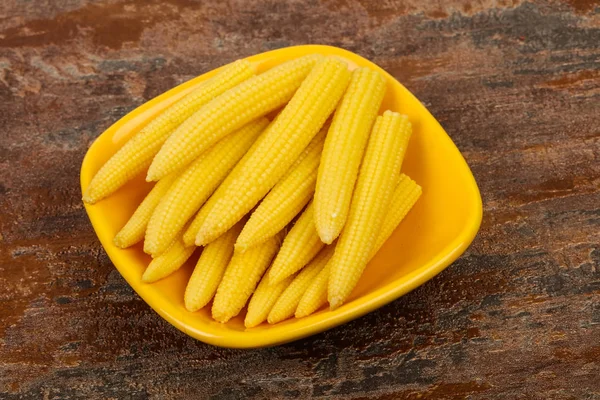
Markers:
{"x": 435, "y": 232}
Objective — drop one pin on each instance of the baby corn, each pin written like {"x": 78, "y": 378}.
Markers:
{"x": 263, "y": 299}
{"x": 196, "y": 184}
{"x": 287, "y": 198}
{"x": 343, "y": 151}
{"x": 286, "y": 304}
{"x": 209, "y": 270}
{"x": 240, "y": 279}
{"x": 168, "y": 262}
{"x": 134, "y": 229}
{"x": 231, "y": 181}
{"x": 249, "y": 100}
{"x": 315, "y": 296}
{"x": 300, "y": 245}
{"x": 284, "y": 140}
{"x": 371, "y": 199}
{"x": 405, "y": 195}
{"x": 189, "y": 236}
{"x": 136, "y": 155}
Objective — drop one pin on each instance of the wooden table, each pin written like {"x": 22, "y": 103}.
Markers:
{"x": 516, "y": 85}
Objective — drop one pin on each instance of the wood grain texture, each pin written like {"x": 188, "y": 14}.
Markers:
{"x": 515, "y": 83}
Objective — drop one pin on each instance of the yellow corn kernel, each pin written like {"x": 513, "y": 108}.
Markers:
{"x": 343, "y": 151}
{"x": 286, "y": 304}
{"x": 300, "y": 245}
{"x": 263, "y": 299}
{"x": 196, "y": 184}
{"x": 284, "y": 141}
{"x": 287, "y": 198}
{"x": 134, "y": 229}
{"x": 249, "y": 100}
{"x": 405, "y": 195}
{"x": 136, "y": 155}
{"x": 210, "y": 269}
{"x": 240, "y": 279}
{"x": 168, "y": 262}
{"x": 371, "y": 199}
{"x": 315, "y": 296}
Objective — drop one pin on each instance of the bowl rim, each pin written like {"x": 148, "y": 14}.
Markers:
{"x": 282, "y": 333}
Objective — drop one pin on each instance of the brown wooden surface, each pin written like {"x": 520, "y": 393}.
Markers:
{"x": 515, "y": 84}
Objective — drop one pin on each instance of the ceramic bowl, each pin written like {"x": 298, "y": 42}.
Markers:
{"x": 437, "y": 230}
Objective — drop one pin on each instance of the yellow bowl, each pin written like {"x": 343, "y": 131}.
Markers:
{"x": 436, "y": 231}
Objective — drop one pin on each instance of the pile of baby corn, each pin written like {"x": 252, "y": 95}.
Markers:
{"x": 289, "y": 211}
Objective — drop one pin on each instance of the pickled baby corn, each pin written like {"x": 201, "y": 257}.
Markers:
{"x": 249, "y": 100}
{"x": 343, "y": 151}
{"x": 263, "y": 299}
{"x": 286, "y": 199}
{"x": 210, "y": 268}
{"x": 315, "y": 296}
{"x": 196, "y": 184}
{"x": 405, "y": 195}
{"x": 286, "y": 304}
{"x": 134, "y": 229}
{"x": 371, "y": 199}
{"x": 300, "y": 245}
{"x": 284, "y": 141}
{"x": 189, "y": 236}
{"x": 168, "y": 262}
{"x": 241, "y": 277}
{"x": 136, "y": 155}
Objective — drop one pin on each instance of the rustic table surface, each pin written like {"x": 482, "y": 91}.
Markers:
{"x": 517, "y": 87}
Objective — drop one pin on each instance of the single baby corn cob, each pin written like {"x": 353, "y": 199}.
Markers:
{"x": 343, "y": 151}
{"x": 286, "y": 304}
{"x": 196, "y": 184}
{"x": 287, "y": 198}
{"x": 315, "y": 296}
{"x": 249, "y": 100}
{"x": 300, "y": 245}
{"x": 371, "y": 199}
{"x": 241, "y": 277}
{"x": 134, "y": 229}
{"x": 210, "y": 268}
{"x": 405, "y": 195}
{"x": 284, "y": 140}
{"x": 189, "y": 236}
{"x": 168, "y": 262}
{"x": 136, "y": 155}
{"x": 263, "y": 299}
